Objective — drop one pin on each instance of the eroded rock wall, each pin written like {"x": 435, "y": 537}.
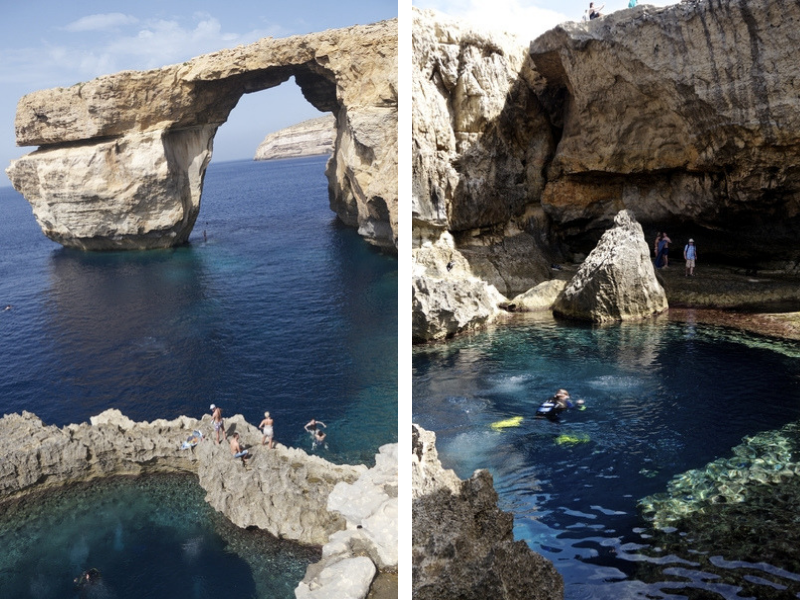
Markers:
{"x": 121, "y": 158}
{"x": 481, "y": 141}
{"x": 463, "y": 545}
{"x": 687, "y": 115}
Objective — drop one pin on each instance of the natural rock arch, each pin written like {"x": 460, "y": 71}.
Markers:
{"x": 121, "y": 158}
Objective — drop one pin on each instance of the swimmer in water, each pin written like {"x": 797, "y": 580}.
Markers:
{"x": 319, "y": 439}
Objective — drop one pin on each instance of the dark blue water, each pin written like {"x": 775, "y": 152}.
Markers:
{"x": 662, "y": 399}
{"x": 150, "y": 537}
{"x": 281, "y": 309}
{"x": 277, "y": 307}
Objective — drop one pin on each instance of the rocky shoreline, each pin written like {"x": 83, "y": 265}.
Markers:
{"x": 349, "y": 509}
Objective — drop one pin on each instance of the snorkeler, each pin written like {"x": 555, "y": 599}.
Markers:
{"x": 552, "y": 408}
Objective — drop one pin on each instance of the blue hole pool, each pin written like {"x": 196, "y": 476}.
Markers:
{"x": 149, "y": 537}
{"x": 664, "y": 401}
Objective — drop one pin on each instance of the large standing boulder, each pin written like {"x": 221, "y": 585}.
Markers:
{"x": 462, "y": 543}
{"x": 617, "y": 281}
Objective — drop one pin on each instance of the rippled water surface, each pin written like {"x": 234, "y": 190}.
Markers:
{"x": 151, "y": 537}
{"x": 272, "y": 306}
{"x": 663, "y": 398}
{"x": 279, "y": 308}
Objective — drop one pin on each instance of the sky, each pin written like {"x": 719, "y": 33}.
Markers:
{"x": 526, "y": 18}
{"x": 53, "y": 43}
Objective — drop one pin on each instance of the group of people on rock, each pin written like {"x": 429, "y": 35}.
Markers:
{"x": 661, "y": 249}
{"x": 313, "y": 427}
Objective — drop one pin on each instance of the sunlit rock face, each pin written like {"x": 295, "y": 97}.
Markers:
{"x": 687, "y": 115}
{"x": 121, "y": 158}
{"x": 309, "y": 138}
{"x": 617, "y": 281}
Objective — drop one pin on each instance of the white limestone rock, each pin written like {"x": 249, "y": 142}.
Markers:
{"x": 313, "y": 137}
{"x": 540, "y": 297}
{"x": 348, "y": 578}
{"x": 617, "y": 281}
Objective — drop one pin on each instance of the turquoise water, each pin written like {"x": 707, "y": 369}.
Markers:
{"x": 662, "y": 399}
{"x": 273, "y": 305}
{"x": 151, "y": 537}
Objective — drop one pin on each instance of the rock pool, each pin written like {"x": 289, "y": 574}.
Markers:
{"x": 674, "y": 411}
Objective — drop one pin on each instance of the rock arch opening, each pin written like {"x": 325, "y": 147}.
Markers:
{"x": 121, "y": 158}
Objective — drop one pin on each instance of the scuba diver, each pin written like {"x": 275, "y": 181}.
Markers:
{"x": 552, "y": 408}
{"x": 86, "y": 581}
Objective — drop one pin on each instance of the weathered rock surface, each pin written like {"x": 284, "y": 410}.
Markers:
{"x": 463, "y": 545}
{"x": 688, "y": 115}
{"x": 309, "y": 138}
{"x": 284, "y": 491}
{"x": 540, "y": 297}
{"x": 369, "y": 506}
{"x": 121, "y": 158}
{"x": 479, "y": 138}
{"x": 617, "y": 281}
{"x": 446, "y": 298}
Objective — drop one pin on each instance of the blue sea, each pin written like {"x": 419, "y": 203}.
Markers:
{"x": 273, "y": 305}
{"x": 663, "y": 399}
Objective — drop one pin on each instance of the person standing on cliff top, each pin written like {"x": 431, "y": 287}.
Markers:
{"x": 216, "y": 419}
{"x": 690, "y": 256}
{"x": 266, "y": 427}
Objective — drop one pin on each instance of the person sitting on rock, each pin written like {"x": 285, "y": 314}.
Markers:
{"x": 237, "y": 450}
{"x": 594, "y": 12}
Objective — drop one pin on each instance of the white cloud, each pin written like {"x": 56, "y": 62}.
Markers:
{"x": 513, "y": 16}
{"x": 101, "y": 22}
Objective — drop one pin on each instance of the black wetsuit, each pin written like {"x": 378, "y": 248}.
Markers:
{"x": 551, "y": 409}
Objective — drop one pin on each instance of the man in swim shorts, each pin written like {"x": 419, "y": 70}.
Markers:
{"x": 236, "y": 449}
{"x": 266, "y": 427}
{"x": 216, "y": 420}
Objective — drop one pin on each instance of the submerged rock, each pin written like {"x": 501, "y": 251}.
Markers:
{"x": 617, "y": 281}
{"x": 463, "y": 545}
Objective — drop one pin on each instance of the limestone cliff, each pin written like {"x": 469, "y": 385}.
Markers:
{"x": 463, "y": 545}
{"x": 309, "y": 138}
{"x": 121, "y": 158}
{"x": 686, "y": 115}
